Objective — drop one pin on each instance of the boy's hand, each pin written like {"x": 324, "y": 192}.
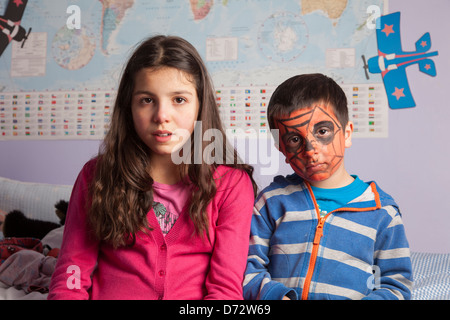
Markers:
{"x": 286, "y": 298}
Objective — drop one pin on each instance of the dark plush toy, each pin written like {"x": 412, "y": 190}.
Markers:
{"x": 61, "y": 210}
{"x": 17, "y": 225}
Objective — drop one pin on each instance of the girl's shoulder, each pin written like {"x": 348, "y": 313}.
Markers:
{"x": 90, "y": 166}
{"x": 226, "y": 177}
{"x": 224, "y": 171}
{"x": 88, "y": 171}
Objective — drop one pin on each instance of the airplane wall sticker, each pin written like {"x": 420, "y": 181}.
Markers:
{"x": 392, "y": 61}
{"x": 10, "y": 28}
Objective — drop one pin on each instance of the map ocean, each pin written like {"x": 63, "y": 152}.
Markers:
{"x": 273, "y": 39}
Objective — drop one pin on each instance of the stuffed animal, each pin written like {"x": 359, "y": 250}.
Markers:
{"x": 16, "y": 224}
{"x": 61, "y": 211}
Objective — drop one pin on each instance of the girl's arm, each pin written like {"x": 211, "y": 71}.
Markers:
{"x": 232, "y": 231}
{"x": 78, "y": 255}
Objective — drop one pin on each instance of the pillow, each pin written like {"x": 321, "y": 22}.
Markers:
{"x": 35, "y": 200}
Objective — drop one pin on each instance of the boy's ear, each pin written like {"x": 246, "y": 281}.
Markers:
{"x": 348, "y": 134}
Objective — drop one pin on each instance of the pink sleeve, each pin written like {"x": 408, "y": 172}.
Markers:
{"x": 78, "y": 255}
{"x": 232, "y": 231}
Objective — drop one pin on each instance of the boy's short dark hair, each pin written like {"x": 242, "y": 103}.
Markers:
{"x": 304, "y": 91}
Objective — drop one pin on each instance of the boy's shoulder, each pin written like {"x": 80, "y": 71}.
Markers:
{"x": 280, "y": 182}
{"x": 384, "y": 198}
{"x": 284, "y": 189}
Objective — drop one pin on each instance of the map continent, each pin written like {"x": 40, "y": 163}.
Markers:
{"x": 200, "y": 8}
{"x": 113, "y": 12}
{"x": 332, "y": 8}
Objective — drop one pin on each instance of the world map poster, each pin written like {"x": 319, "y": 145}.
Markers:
{"x": 60, "y": 83}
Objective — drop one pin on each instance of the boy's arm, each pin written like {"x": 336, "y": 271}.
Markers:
{"x": 258, "y": 283}
{"x": 393, "y": 276}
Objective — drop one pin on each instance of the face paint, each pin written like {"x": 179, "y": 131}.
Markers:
{"x": 313, "y": 142}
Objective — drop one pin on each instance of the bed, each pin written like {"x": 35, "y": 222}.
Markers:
{"x": 431, "y": 270}
{"x": 36, "y": 201}
{"x": 431, "y": 276}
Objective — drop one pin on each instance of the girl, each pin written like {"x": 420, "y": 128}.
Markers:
{"x": 140, "y": 226}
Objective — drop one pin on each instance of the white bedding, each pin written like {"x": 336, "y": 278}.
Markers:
{"x": 11, "y": 293}
{"x": 38, "y": 269}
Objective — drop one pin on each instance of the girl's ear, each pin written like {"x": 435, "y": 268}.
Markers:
{"x": 348, "y": 134}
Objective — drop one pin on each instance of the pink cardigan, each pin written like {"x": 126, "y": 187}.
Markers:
{"x": 177, "y": 266}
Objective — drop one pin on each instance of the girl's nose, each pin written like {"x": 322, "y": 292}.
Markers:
{"x": 161, "y": 113}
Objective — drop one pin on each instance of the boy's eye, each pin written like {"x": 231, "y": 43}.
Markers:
{"x": 293, "y": 143}
{"x": 294, "y": 140}
{"x": 324, "y": 132}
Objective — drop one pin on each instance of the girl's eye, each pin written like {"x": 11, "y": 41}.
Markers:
{"x": 179, "y": 100}
{"x": 146, "y": 100}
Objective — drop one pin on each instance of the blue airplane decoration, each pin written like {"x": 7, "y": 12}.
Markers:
{"x": 10, "y": 28}
{"x": 392, "y": 61}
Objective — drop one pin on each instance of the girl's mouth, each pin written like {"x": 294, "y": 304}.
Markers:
{"x": 162, "y": 135}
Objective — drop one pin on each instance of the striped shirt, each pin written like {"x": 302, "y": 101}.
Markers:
{"x": 355, "y": 252}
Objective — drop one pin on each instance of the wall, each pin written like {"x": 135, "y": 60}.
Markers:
{"x": 411, "y": 165}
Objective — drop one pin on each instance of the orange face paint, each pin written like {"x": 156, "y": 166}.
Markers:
{"x": 313, "y": 141}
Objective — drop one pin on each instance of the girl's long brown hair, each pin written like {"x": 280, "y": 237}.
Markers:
{"x": 121, "y": 191}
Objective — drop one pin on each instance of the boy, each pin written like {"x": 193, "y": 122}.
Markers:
{"x": 322, "y": 233}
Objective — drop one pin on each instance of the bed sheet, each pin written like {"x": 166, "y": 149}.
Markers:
{"x": 431, "y": 276}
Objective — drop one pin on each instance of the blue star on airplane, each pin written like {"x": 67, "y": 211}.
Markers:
{"x": 392, "y": 61}
{"x": 10, "y": 28}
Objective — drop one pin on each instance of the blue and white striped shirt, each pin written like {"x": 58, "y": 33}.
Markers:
{"x": 356, "y": 252}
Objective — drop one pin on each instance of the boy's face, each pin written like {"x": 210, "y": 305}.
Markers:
{"x": 313, "y": 142}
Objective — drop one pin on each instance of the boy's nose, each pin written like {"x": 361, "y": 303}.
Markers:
{"x": 310, "y": 148}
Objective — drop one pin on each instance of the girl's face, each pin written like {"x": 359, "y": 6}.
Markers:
{"x": 164, "y": 108}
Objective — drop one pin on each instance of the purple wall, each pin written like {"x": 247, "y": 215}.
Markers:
{"x": 45, "y": 161}
{"x": 411, "y": 165}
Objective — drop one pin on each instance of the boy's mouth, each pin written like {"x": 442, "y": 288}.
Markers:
{"x": 315, "y": 167}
